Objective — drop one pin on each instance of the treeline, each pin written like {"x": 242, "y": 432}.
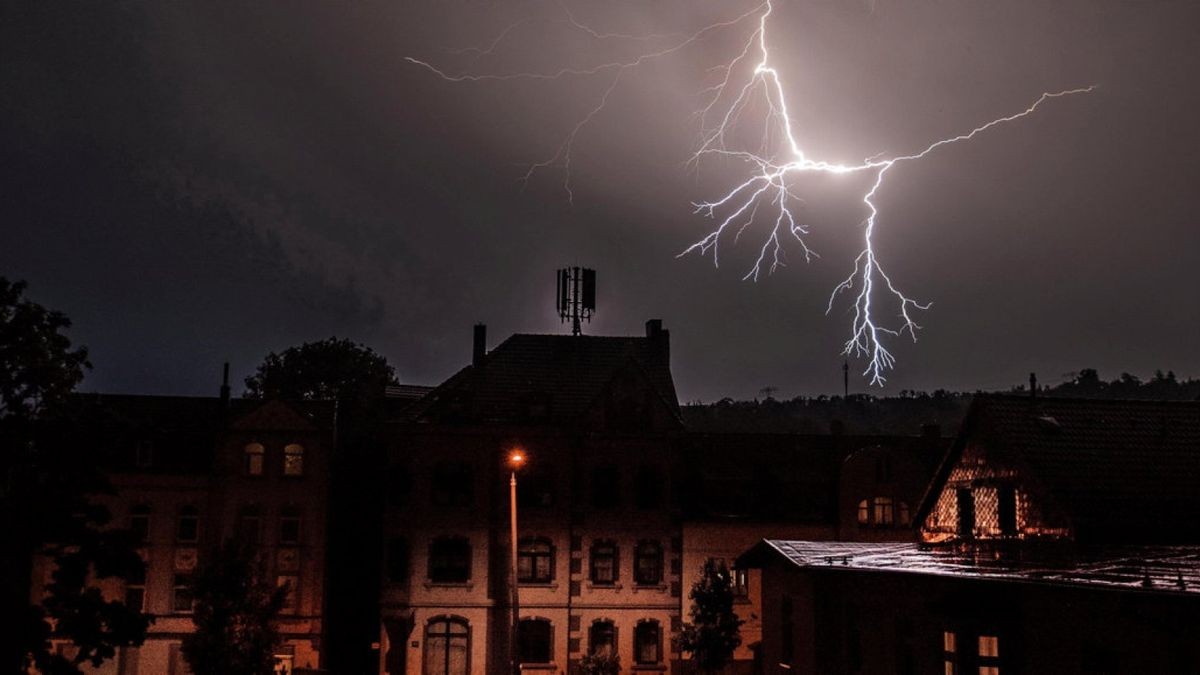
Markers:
{"x": 910, "y": 412}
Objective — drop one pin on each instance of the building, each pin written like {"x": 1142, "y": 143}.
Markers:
{"x": 189, "y": 473}
{"x": 618, "y": 509}
{"x": 1056, "y": 536}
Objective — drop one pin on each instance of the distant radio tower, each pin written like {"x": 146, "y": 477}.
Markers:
{"x": 576, "y": 297}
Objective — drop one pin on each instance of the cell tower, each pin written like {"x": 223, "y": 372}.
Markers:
{"x": 576, "y": 297}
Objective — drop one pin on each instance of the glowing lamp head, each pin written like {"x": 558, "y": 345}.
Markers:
{"x": 516, "y": 458}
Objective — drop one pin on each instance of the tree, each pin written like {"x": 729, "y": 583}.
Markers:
{"x": 234, "y": 613}
{"x": 45, "y": 507}
{"x": 713, "y": 633}
{"x": 604, "y": 663}
{"x": 332, "y": 369}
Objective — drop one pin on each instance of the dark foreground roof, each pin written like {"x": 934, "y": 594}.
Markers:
{"x": 563, "y": 375}
{"x": 1164, "y": 569}
{"x": 1120, "y": 470}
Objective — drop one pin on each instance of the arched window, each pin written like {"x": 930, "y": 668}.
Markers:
{"x": 647, "y": 642}
{"x": 255, "y": 459}
{"x": 293, "y": 460}
{"x": 534, "y": 641}
{"x": 187, "y": 530}
{"x": 447, "y": 646}
{"x": 535, "y": 561}
{"x": 602, "y": 638}
{"x": 139, "y": 522}
{"x": 604, "y": 563}
{"x": 864, "y": 512}
{"x": 648, "y": 563}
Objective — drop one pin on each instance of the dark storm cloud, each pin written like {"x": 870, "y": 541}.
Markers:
{"x": 200, "y": 181}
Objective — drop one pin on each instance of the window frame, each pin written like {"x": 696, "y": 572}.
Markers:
{"x": 612, "y": 554}
{"x": 188, "y": 513}
{"x": 648, "y": 551}
{"x": 647, "y": 628}
{"x": 254, "y": 459}
{"x": 449, "y": 555}
{"x": 546, "y": 641}
{"x": 291, "y": 516}
{"x": 602, "y": 627}
{"x": 293, "y": 460}
{"x": 531, "y": 551}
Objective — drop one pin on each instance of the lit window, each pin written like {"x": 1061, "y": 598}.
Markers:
{"x": 450, "y": 560}
{"x": 534, "y": 641}
{"x": 604, "y": 563}
{"x": 949, "y": 653}
{"x": 602, "y": 638}
{"x": 188, "y": 527}
{"x": 989, "y": 655}
{"x": 647, "y": 563}
{"x": 885, "y": 513}
{"x": 535, "y": 561}
{"x": 289, "y": 525}
{"x": 291, "y": 583}
{"x": 647, "y": 642}
{"x": 255, "y": 455}
{"x": 741, "y": 582}
{"x": 293, "y": 460}
{"x": 864, "y": 512}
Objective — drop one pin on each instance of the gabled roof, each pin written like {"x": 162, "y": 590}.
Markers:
{"x": 1148, "y": 569}
{"x": 563, "y": 375}
{"x": 1119, "y": 470}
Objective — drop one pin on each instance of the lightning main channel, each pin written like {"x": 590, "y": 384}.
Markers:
{"x": 768, "y": 187}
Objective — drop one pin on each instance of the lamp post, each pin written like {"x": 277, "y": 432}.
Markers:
{"x": 516, "y": 459}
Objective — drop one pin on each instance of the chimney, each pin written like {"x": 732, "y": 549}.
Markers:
{"x": 480, "y": 349}
{"x": 660, "y": 339}
{"x": 225, "y": 386}
{"x": 1032, "y": 386}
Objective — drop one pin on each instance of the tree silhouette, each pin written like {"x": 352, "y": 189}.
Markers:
{"x": 332, "y": 369}
{"x": 714, "y": 631}
{"x": 234, "y": 612}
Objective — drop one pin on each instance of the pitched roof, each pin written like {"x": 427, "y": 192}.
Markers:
{"x": 1150, "y": 569}
{"x": 1120, "y": 470}
{"x": 566, "y": 374}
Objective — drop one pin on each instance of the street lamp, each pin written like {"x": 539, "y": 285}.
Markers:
{"x": 516, "y": 459}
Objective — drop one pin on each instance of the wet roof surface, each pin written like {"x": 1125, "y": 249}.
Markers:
{"x": 1174, "y": 569}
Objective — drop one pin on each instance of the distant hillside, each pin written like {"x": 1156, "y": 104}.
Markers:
{"x": 910, "y": 412}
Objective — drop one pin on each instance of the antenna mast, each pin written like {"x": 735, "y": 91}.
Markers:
{"x": 576, "y": 297}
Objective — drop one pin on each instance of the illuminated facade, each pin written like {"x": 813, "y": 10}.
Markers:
{"x": 191, "y": 473}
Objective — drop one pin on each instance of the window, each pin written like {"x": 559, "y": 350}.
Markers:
{"x": 604, "y": 563}
{"x": 648, "y": 487}
{"x": 139, "y": 523}
{"x": 989, "y": 655}
{"x": 447, "y": 647}
{"x": 966, "y": 513}
{"x": 602, "y": 638}
{"x": 249, "y": 526}
{"x": 293, "y": 460}
{"x": 1006, "y": 510}
{"x": 536, "y": 489}
{"x": 949, "y": 653}
{"x": 902, "y": 515}
{"x": 450, "y": 560}
{"x": 647, "y": 642}
{"x": 606, "y": 486}
{"x": 885, "y": 513}
{"x": 143, "y": 454}
{"x": 187, "y": 529}
{"x": 535, "y": 561}
{"x": 648, "y": 563}
{"x": 291, "y": 597}
{"x": 864, "y": 512}
{"x": 397, "y": 559}
{"x": 741, "y": 583}
{"x": 452, "y": 484}
{"x": 254, "y": 459}
{"x": 181, "y": 593}
{"x": 289, "y": 525}
{"x": 135, "y": 588}
{"x": 534, "y": 641}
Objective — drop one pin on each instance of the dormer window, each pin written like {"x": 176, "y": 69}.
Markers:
{"x": 254, "y": 459}
{"x": 293, "y": 460}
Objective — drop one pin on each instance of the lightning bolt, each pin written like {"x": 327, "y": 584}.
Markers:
{"x": 768, "y": 187}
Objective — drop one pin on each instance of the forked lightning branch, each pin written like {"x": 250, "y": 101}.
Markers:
{"x": 766, "y": 199}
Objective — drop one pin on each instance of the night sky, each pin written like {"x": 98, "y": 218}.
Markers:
{"x": 195, "y": 182}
